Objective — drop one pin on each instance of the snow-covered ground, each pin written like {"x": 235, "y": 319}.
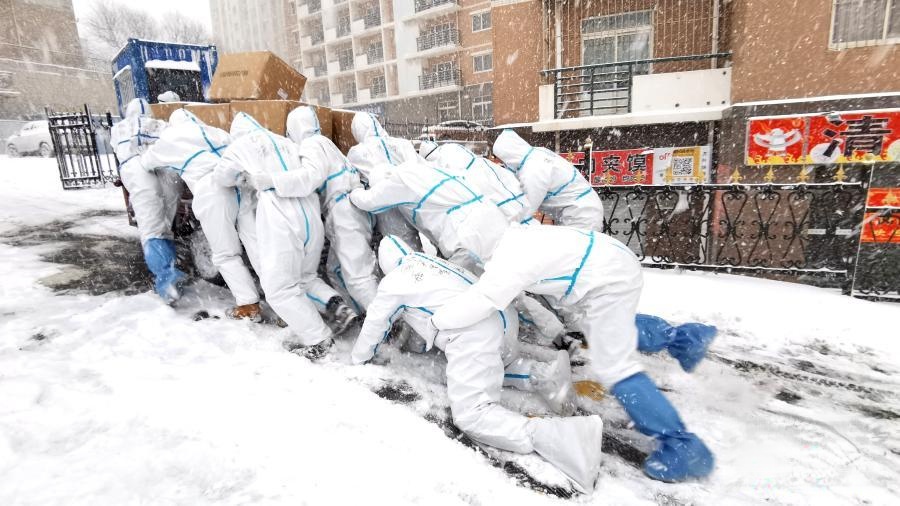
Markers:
{"x": 117, "y": 398}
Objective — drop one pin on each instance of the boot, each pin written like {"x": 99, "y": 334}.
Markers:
{"x": 159, "y": 255}
{"x": 686, "y": 343}
{"x": 680, "y": 455}
{"x": 340, "y": 315}
{"x": 247, "y": 311}
{"x": 553, "y": 382}
{"x": 572, "y": 445}
{"x": 314, "y": 352}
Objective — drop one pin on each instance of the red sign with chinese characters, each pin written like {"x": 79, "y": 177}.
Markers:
{"x": 576, "y": 158}
{"x": 846, "y": 138}
{"x": 881, "y": 228}
{"x": 843, "y": 137}
{"x": 622, "y": 167}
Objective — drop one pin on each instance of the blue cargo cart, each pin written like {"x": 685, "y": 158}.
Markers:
{"x": 144, "y": 69}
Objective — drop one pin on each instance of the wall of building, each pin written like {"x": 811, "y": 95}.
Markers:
{"x": 783, "y": 52}
{"x": 260, "y": 25}
{"x": 518, "y": 42}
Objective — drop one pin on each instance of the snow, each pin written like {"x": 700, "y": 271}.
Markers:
{"x": 172, "y": 65}
{"x": 120, "y": 399}
{"x": 827, "y": 98}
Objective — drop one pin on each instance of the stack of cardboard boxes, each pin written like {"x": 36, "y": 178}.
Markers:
{"x": 265, "y": 87}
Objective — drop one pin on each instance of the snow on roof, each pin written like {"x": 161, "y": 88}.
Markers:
{"x": 121, "y": 71}
{"x": 172, "y": 65}
{"x": 817, "y": 99}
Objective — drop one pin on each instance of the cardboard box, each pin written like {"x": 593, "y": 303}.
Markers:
{"x": 164, "y": 110}
{"x": 341, "y": 133}
{"x": 272, "y": 114}
{"x": 256, "y": 75}
{"x": 217, "y": 115}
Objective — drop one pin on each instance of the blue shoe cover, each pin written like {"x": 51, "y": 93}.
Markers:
{"x": 681, "y": 454}
{"x": 679, "y": 458}
{"x": 159, "y": 254}
{"x": 686, "y": 343}
{"x": 690, "y": 344}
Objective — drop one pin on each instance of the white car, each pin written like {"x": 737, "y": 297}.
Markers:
{"x": 33, "y": 138}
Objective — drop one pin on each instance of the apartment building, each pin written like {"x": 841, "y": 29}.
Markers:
{"x": 422, "y": 60}
{"x": 259, "y": 25}
{"x": 42, "y": 63}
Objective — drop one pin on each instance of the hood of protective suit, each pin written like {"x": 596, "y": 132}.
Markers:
{"x": 452, "y": 156}
{"x": 391, "y": 251}
{"x": 511, "y": 148}
{"x": 182, "y": 116}
{"x": 365, "y": 125}
{"x": 427, "y": 148}
{"x": 302, "y": 123}
{"x": 242, "y": 125}
{"x": 137, "y": 107}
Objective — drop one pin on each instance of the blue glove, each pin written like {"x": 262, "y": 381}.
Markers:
{"x": 686, "y": 343}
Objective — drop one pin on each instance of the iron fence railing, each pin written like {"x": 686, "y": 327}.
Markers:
{"x": 421, "y": 5}
{"x": 439, "y": 79}
{"x": 82, "y": 148}
{"x": 437, "y": 38}
{"x": 589, "y": 90}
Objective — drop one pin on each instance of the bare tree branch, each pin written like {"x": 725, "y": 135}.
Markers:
{"x": 112, "y": 24}
{"x": 176, "y": 27}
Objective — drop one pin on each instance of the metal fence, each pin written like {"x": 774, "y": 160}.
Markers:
{"x": 816, "y": 233}
{"x": 83, "y": 152}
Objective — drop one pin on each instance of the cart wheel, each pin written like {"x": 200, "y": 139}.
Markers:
{"x": 45, "y": 150}
{"x": 11, "y": 151}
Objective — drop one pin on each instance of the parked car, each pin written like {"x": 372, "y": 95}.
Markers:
{"x": 33, "y": 138}
{"x": 452, "y": 130}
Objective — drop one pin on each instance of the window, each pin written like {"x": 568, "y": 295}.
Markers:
{"x": 483, "y": 108}
{"x": 447, "y": 110}
{"x": 483, "y": 62}
{"x": 620, "y": 37}
{"x": 856, "y": 23}
{"x": 481, "y": 21}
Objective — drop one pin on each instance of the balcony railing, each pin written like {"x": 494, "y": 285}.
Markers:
{"x": 422, "y": 5}
{"x": 320, "y": 70}
{"x": 343, "y": 27}
{"x": 345, "y": 60}
{"x": 439, "y": 79}
{"x": 314, "y": 6}
{"x": 589, "y": 90}
{"x": 372, "y": 18}
{"x": 317, "y": 37}
{"x": 437, "y": 39}
{"x": 378, "y": 88}
{"x": 375, "y": 54}
{"x": 349, "y": 94}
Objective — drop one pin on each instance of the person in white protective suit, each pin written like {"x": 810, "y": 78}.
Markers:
{"x": 192, "y": 149}
{"x": 375, "y": 152}
{"x": 153, "y": 195}
{"x": 440, "y": 204}
{"x": 351, "y": 261}
{"x": 499, "y": 185}
{"x": 414, "y": 287}
{"x": 290, "y": 235}
{"x": 551, "y": 184}
{"x": 598, "y": 278}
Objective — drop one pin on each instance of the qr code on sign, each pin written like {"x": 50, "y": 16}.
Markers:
{"x": 683, "y": 166}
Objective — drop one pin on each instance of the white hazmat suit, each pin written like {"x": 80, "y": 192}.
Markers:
{"x": 551, "y": 184}
{"x": 288, "y": 225}
{"x": 442, "y": 205}
{"x": 376, "y": 152}
{"x": 193, "y": 149}
{"x": 499, "y": 185}
{"x": 351, "y": 261}
{"x": 414, "y": 287}
{"x": 154, "y": 195}
{"x": 599, "y": 279}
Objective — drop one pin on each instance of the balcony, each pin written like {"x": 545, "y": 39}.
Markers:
{"x": 374, "y": 54}
{"x": 378, "y": 88}
{"x": 349, "y": 94}
{"x": 440, "y": 79}
{"x": 313, "y": 6}
{"x": 439, "y": 38}
{"x": 424, "y": 5}
{"x": 315, "y": 38}
{"x": 372, "y": 19}
{"x": 343, "y": 26}
{"x": 638, "y": 91}
{"x": 315, "y": 71}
